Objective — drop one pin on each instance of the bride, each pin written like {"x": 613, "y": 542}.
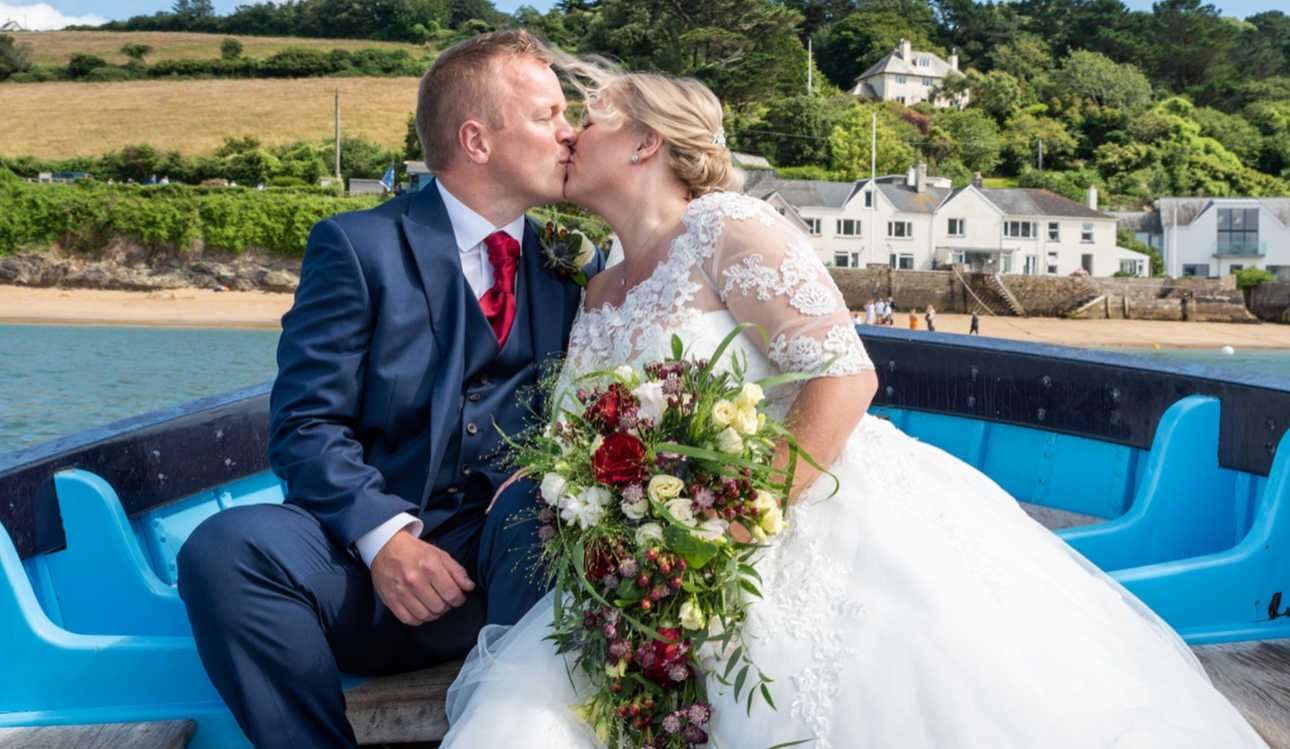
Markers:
{"x": 918, "y": 606}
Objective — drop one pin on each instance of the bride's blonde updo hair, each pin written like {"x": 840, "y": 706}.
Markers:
{"x": 683, "y": 111}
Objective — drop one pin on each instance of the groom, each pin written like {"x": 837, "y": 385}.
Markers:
{"x": 416, "y": 327}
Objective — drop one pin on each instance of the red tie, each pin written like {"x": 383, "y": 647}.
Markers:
{"x": 498, "y": 303}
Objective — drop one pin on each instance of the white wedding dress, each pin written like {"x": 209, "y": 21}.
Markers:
{"x": 919, "y": 606}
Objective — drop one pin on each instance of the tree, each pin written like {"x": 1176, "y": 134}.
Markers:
{"x": 81, "y": 64}
{"x": 998, "y": 93}
{"x": 1233, "y": 131}
{"x": 1022, "y": 135}
{"x": 1094, "y": 76}
{"x": 412, "y": 150}
{"x": 14, "y": 57}
{"x": 193, "y": 14}
{"x": 968, "y": 136}
{"x": 853, "y": 45}
{"x": 230, "y": 49}
{"x": 136, "y": 51}
{"x": 1192, "y": 46}
{"x": 850, "y": 141}
{"x": 796, "y": 131}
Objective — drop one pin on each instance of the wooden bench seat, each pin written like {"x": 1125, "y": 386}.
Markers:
{"x": 1255, "y": 676}
{"x": 401, "y": 709}
{"x": 165, "y": 734}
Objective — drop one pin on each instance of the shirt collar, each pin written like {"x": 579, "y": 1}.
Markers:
{"x": 469, "y": 227}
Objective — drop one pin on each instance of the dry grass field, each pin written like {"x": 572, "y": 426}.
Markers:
{"x": 64, "y": 119}
{"x": 57, "y": 47}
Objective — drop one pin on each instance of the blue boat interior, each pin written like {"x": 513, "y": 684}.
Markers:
{"x": 94, "y": 624}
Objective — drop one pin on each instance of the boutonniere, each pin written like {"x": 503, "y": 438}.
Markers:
{"x": 566, "y": 252}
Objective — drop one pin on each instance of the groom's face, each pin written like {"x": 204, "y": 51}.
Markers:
{"x": 531, "y": 151}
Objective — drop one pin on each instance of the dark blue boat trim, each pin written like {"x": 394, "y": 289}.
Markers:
{"x": 1117, "y": 398}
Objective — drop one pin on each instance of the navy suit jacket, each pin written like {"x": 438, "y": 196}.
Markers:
{"x": 372, "y": 355}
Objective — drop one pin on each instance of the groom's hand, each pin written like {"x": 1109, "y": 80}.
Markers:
{"x": 419, "y": 582}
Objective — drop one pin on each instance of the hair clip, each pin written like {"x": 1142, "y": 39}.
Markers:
{"x": 719, "y": 137}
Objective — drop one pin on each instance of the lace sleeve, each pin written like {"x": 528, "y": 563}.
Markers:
{"x": 766, "y": 273}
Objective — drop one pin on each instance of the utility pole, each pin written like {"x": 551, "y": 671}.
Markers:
{"x": 338, "y": 179}
{"x": 1041, "y": 154}
{"x": 873, "y": 185}
{"x": 810, "y": 63}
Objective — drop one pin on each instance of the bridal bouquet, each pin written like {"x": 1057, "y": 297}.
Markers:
{"x": 644, "y": 478}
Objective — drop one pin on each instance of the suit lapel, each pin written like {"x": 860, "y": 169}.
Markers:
{"x": 544, "y": 288}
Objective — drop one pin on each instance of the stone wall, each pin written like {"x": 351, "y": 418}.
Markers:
{"x": 1271, "y": 301}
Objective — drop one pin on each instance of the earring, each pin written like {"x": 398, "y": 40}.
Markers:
{"x": 635, "y": 158}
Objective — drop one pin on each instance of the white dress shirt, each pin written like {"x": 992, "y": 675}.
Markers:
{"x": 470, "y": 229}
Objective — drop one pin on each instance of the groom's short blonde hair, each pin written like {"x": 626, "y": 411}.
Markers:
{"x": 462, "y": 85}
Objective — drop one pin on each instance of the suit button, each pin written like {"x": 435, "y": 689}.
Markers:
{"x": 474, "y": 397}
{"x": 484, "y": 380}
{"x": 452, "y": 490}
{"x": 471, "y": 429}
{"x": 465, "y": 469}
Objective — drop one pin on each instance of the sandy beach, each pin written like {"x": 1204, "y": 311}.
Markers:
{"x": 233, "y": 309}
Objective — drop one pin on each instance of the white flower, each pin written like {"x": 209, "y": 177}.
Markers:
{"x": 664, "y": 487}
{"x": 764, "y": 501}
{"x": 595, "y": 501}
{"x": 745, "y": 420}
{"x": 653, "y": 401}
{"x": 711, "y": 651}
{"x": 616, "y": 671}
{"x": 627, "y": 376}
{"x": 553, "y": 487}
{"x": 750, "y": 396}
{"x": 692, "y": 616}
{"x": 596, "y": 443}
{"x": 723, "y": 413}
{"x": 710, "y": 530}
{"x": 729, "y": 441}
{"x": 772, "y": 520}
{"x": 580, "y": 248}
{"x": 635, "y": 510}
{"x": 571, "y": 506}
{"x": 647, "y": 533}
{"x": 680, "y": 509}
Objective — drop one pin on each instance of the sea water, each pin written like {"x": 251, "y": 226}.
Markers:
{"x": 60, "y": 379}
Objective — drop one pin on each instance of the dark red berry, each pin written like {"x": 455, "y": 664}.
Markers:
{"x": 643, "y": 581}
{"x": 651, "y": 554}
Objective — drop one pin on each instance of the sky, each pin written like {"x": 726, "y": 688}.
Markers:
{"x": 55, "y": 14}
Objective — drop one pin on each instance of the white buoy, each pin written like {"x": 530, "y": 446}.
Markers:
{"x": 1227, "y": 351}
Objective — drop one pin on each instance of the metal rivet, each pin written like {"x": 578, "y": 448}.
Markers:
{"x": 890, "y": 391}
{"x": 1115, "y": 394}
{"x": 474, "y": 397}
{"x": 1270, "y": 449}
{"x": 1271, "y": 424}
{"x": 891, "y": 366}
{"x": 971, "y": 401}
{"x": 466, "y": 469}
{"x": 471, "y": 429}
{"x": 974, "y": 372}
{"x": 1042, "y": 414}
{"x": 1048, "y": 381}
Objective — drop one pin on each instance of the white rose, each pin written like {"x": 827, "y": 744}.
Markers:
{"x": 692, "y": 616}
{"x": 635, "y": 510}
{"x": 553, "y": 486}
{"x": 590, "y": 515}
{"x": 647, "y": 533}
{"x": 570, "y": 507}
{"x": 764, "y": 501}
{"x": 750, "y": 396}
{"x": 710, "y": 530}
{"x": 745, "y": 420}
{"x": 771, "y": 521}
{"x": 680, "y": 509}
{"x": 723, "y": 413}
{"x": 664, "y": 487}
{"x": 729, "y": 441}
{"x": 653, "y": 401}
{"x": 593, "y": 500}
{"x": 627, "y": 376}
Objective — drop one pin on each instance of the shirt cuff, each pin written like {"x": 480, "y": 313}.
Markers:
{"x": 370, "y": 543}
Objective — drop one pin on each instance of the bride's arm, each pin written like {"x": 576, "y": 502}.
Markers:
{"x": 822, "y": 417}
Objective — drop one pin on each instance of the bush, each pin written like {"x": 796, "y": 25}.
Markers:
{"x": 38, "y": 74}
{"x": 82, "y": 64}
{"x": 14, "y": 57}
{"x": 230, "y": 49}
{"x": 297, "y": 62}
{"x": 287, "y": 182}
{"x": 109, "y": 75}
{"x": 811, "y": 172}
{"x": 1248, "y": 278}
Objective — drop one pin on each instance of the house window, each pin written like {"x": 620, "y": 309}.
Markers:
{"x": 958, "y": 227}
{"x": 927, "y": 81}
{"x": 780, "y": 211}
{"x": 1021, "y": 229}
{"x": 1234, "y": 268}
{"x": 1052, "y": 263}
{"x": 1086, "y": 262}
{"x": 1282, "y": 272}
{"x": 1238, "y": 231}
{"x": 1031, "y": 267}
{"x": 1133, "y": 267}
{"x": 956, "y": 257}
{"x": 868, "y": 199}
{"x": 924, "y": 62}
{"x": 813, "y": 226}
{"x": 841, "y": 260}
{"x": 1086, "y": 233}
{"x": 848, "y": 227}
{"x": 900, "y": 79}
{"x": 1200, "y": 271}
{"x": 905, "y": 261}
{"x": 900, "y": 230}
{"x": 1054, "y": 231}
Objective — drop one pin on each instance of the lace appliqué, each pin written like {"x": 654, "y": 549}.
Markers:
{"x": 805, "y": 354}
{"x": 798, "y": 276}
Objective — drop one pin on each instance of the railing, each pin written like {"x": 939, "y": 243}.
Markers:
{"x": 1240, "y": 247}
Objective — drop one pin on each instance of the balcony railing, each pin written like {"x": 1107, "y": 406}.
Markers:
{"x": 1244, "y": 247}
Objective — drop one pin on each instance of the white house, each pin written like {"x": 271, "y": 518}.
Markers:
{"x": 909, "y": 76}
{"x": 11, "y": 26}
{"x": 917, "y": 222}
{"x": 1217, "y": 236}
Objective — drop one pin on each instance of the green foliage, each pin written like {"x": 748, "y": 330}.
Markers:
{"x": 1020, "y": 143}
{"x": 14, "y": 57}
{"x": 230, "y": 49}
{"x": 1248, "y": 278}
{"x": 136, "y": 51}
{"x": 795, "y": 131}
{"x": 853, "y": 45}
{"x": 966, "y": 136}
{"x": 81, "y": 65}
{"x": 1124, "y": 237}
{"x": 817, "y": 173}
{"x": 231, "y": 219}
{"x": 1090, "y": 75}
{"x": 850, "y": 141}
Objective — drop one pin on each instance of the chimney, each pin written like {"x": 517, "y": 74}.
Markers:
{"x": 905, "y": 52}
{"x": 954, "y": 60}
{"x": 920, "y": 177}
{"x": 1092, "y": 197}
{"x": 911, "y": 176}
{"x": 977, "y": 181}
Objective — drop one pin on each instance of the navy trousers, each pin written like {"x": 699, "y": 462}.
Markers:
{"x": 279, "y": 611}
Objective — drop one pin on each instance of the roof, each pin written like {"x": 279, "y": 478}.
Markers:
{"x": 1025, "y": 201}
{"x": 1143, "y": 221}
{"x": 749, "y": 160}
{"x": 903, "y": 197}
{"x": 894, "y": 63}
{"x": 1183, "y": 211}
{"x": 803, "y": 193}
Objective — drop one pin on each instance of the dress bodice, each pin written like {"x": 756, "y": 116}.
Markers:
{"x": 738, "y": 261}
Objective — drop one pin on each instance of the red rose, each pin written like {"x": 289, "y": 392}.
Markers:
{"x": 606, "y": 411}
{"x": 598, "y": 562}
{"x": 620, "y": 460}
{"x": 665, "y": 654}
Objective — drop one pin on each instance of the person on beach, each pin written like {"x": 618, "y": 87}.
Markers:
{"x": 417, "y": 327}
{"x": 975, "y": 325}
{"x": 916, "y": 606}
{"x": 868, "y": 312}
{"x": 930, "y": 318}
{"x": 913, "y": 318}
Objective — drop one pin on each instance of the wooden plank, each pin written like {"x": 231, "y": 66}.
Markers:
{"x": 401, "y": 709}
{"x": 1255, "y": 676}
{"x": 167, "y": 734}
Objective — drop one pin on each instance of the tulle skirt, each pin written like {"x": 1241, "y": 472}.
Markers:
{"x": 918, "y": 606}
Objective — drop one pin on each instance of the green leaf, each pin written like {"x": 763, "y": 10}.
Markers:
{"x": 740, "y": 679}
{"x": 750, "y": 571}
{"x": 696, "y": 551}
{"x": 750, "y": 588}
{"x": 766, "y": 693}
{"x": 630, "y": 592}
{"x": 733, "y": 660}
{"x": 678, "y": 348}
{"x": 791, "y": 743}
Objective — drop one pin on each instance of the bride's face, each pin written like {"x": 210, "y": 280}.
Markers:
{"x": 601, "y": 154}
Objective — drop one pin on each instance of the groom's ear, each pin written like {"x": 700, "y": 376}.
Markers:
{"x": 472, "y": 138}
{"x": 648, "y": 144}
